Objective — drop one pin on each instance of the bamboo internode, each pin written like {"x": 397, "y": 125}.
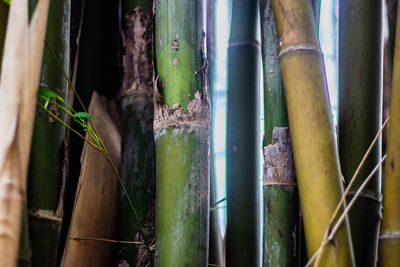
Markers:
{"x": 316, "y": 158}
{"x": 389, "y": 244}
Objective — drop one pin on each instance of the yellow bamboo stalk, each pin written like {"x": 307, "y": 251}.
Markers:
{"x": 94, "y": 218}
{"x": 18, "y": 88}
{"x": 315, "y": 153}
{"x": 389, "y": 243}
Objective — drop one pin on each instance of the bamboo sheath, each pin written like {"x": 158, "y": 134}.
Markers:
{"x": 96, "y": 202}
{"x": 360, "y": 116}
{"x": 281, "y": 205}
{"x": 315, "y": 154}
{"x": 181, "y": 128}
{"x": 389, "y": 243}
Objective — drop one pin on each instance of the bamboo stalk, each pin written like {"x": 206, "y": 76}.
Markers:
{"x": 181, "y": 126}
{"x": 360, "y": 116}
{"x": 138, "y": 151}
{"x": 96, "y": 202}
{"x": 281, "y": 207}
{"x": 215, "y": 239}
{"x": 25, "y": 250}
{"x": 45, "y": 168}
{"x": 316, "y": 4}
{"x": 242, "y": 232}
{"x": 18, "y": 88}
{"x": 311, "y": 129}
{"x": 3, "y": 26}
{"x": 389, "y": 244}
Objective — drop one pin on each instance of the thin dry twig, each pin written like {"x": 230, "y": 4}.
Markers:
{"x": 105, "y": 240}
{"x": 333, "y": 231}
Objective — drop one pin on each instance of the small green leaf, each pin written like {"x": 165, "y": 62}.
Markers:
{"x": 47, "y": 103}
{"x": 47, "y": 93}
{"x": 7, "y": 1}
{"x": 84, "y": 115}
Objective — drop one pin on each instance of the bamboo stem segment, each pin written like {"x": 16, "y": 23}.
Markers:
{"x": 243, "y": 228}
{"x": 389, "y": 244}
{"x": 3, "y": 26}
{"x": 138, "y": 149}
{"x": 18, "y": 89}
{"x": 317, "y": 163}
{"x": 281, "y": 206}
{"x": 360, "y": 116}
{"x": 45, "y": 166}
{"x": 181, "y": 128}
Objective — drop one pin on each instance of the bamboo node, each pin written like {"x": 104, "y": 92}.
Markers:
{"x": 250, "y": 43}
{"x": 373, "y": 196}
{"x": 299, "y": 47}
{"x": 198, "y": 112}
{"x": 45, "y": 214}
{"x": 390, "y": 235}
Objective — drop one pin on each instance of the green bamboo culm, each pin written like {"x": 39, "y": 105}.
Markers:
{"x": 138, "y": 150}
{"x": 281, "y": 205}
{"x": 3, "y": 26}
{"x": 311, "y": 130}
{"x": 243, "y": 229}
{"x": 45, "y": 167}
{"x": 181, "y": 126}
{"x": 389, "y": 243}
{"x": 215, "y": 240}
{"x": 360, "y": 116}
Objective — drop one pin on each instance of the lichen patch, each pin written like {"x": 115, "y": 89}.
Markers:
{"x": 279, "y": 165}
{"x": 174, "y": 44}
{"x": 198, "y": 112}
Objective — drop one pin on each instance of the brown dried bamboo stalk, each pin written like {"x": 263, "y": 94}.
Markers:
{"x": 18, "y": 88}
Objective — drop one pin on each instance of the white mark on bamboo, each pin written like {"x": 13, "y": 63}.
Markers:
{"x": 279, "y": 166}
{"x": 198, "y": 112}
{"x": 390, "y": 235}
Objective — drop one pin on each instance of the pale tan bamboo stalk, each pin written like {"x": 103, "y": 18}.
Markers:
{"x": 18, "y": 88}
